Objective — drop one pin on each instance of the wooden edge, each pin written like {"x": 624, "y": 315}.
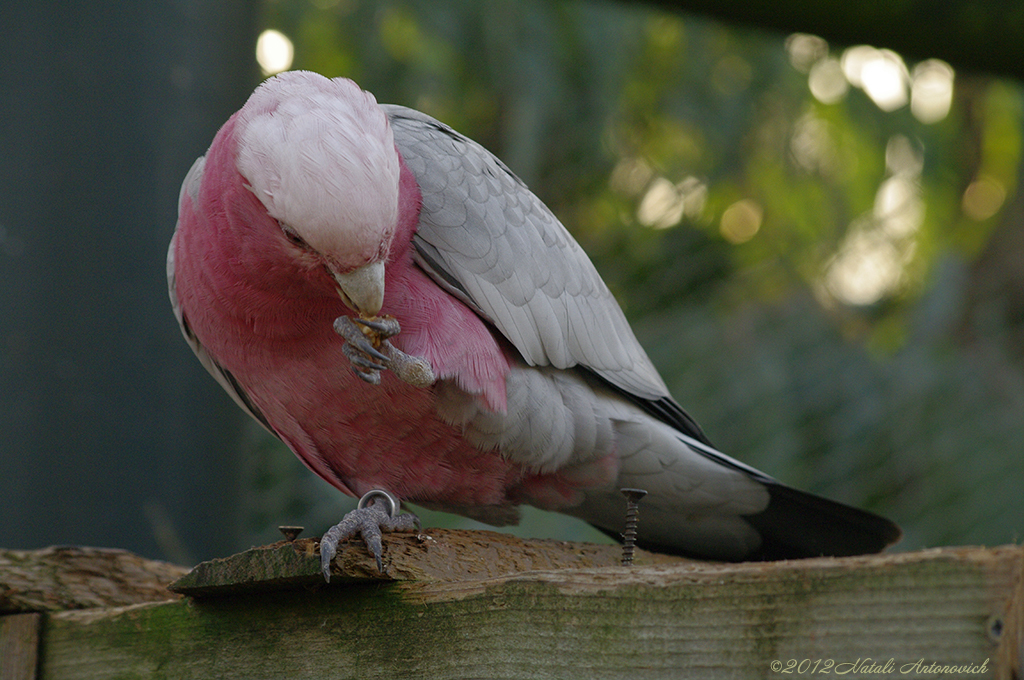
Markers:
{"x": 68, "y": 577}
{"x": 1000, "y": 565}
{"x": 1009, "y": 630}
{"x": 471, "y": 560}
{"x": 432, "y": 555}
{"x": 19, "y": 645}
{"x": 731, "y": 620}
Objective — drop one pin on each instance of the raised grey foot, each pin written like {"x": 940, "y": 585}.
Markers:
{"x": 370, "y": 352}
{"x": 377, "y": 511}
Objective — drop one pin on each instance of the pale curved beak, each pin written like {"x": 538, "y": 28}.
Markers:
{"x": 362, "y": 289}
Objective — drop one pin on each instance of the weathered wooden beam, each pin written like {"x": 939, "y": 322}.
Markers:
{"x": 64, "y": 578}
{"x": 430, "y": 555}
{"x": 19, "y": 646}
{"x": 1010, "y": 658}
{"x": 954, "y": 607}
{"x": 68, "y": 577}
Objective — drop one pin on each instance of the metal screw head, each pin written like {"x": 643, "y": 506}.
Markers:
{"x": 291, "y": 533}
{"x": 634, "y": 495}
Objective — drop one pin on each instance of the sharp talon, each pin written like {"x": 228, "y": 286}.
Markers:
{"x": 370, "y": 323}
{"x": 371, "y": 378}
{"x": 365, "y": 346}
{"x": 361, "y": 361}
{"x": 368, "y": 365}
{"x": 384, "y": 326}
{"x": 328, "y": 549}
{"x": 360, "y": 351}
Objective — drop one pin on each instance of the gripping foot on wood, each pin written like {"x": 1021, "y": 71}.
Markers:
{"x": 377, "y": 511}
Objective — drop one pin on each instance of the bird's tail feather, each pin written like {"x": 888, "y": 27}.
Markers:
{"x": 798, "y": 524}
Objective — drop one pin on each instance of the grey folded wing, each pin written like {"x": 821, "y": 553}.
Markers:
{"x": 487, "y": 239}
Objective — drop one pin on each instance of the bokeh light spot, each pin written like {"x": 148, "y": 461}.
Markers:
{"x": 884, "y": 79}
{"x": 931, "y": 91}
{"x": 274, "y": 52}
{"x": 867, "y": 267}
{"x": 741, "y": 221}
{"x": 983, "y": 198}
{"x": 665, "y": 203}
{"x": 805, "y": 50}
{"x": 827, "y": 82}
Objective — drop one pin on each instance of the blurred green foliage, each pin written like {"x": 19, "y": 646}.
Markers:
{"x": 827, "y": 287}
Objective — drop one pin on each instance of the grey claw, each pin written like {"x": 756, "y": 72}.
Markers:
{"x": 360, "y": 351}
{"x": 384, "y": 326}
{"x": 371, "y": 377}
{"x": 357, "y": 357}
{"x": 368, "y": 348}
{"x": 367, "y": 361}
{"x": 345, "y": 327}
{"x": 328, "y": 549}
{"x": 367, "y": 364}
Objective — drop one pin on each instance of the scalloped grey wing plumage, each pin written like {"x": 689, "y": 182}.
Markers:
{"x": 486, "y": 238}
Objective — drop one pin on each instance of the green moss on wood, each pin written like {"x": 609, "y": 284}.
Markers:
{"x": 686, "y": 620}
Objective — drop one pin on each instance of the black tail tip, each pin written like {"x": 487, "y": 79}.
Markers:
{"x": 797, "y": 524}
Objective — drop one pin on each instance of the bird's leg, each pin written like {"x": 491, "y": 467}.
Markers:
{"x": 377, "y": 511}
{"x": 367, "y": 347}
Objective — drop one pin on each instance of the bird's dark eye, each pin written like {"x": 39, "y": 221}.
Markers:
{"x": 294, "y": 238}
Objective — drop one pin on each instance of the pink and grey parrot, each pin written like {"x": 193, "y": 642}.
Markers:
{"x": 393, "y": 303}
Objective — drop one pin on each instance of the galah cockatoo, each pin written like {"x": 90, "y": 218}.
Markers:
{"x": 393, "y": 303}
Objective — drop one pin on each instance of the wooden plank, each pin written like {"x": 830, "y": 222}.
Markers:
{"x": 68, "y": 577}
{"x": 430, "y": 555}
{"x": 19, "y": 646}
{"x": 918, "y": 611}
{"x": 1009, "y": 630}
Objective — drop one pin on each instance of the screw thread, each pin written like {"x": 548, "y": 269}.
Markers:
{"x": 629, "y": 535}
{"x": 633, "y": 497}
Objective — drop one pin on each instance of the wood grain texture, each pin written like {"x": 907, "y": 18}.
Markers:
{"x": 689, "y": 619}
{"x": 428, "y": 555}
{"x": 1010, "y": 629}
{"x": 59, "y": 578}
{"x": 19, "y": 646}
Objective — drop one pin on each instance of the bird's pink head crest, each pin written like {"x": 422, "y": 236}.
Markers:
{"x": 320, "y": 155}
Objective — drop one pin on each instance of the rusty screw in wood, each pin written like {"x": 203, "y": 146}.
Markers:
{"x": 291, "y": 533}
{"x": 633, "y": 497}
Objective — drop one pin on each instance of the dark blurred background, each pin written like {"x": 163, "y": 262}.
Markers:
{"x": 820, "y": 242}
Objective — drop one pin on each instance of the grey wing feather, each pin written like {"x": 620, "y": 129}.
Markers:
{"x": 486, "y": 238}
